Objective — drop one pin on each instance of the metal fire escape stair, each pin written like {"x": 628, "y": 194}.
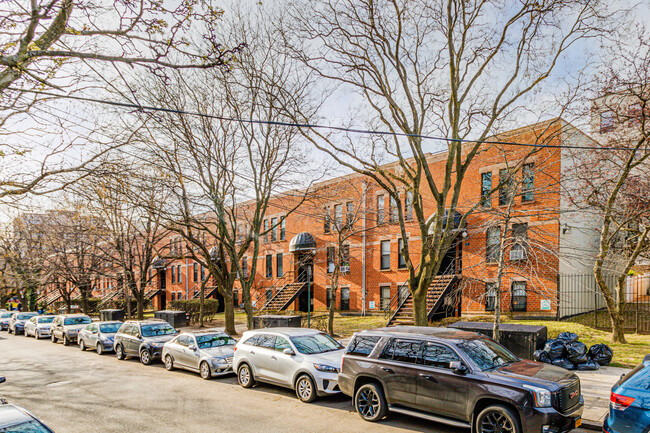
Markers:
{"x": 439, "y": 288}
{"x": 283, "y": 298}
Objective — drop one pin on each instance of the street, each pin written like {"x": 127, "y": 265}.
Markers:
{"x": 74, "y": 391}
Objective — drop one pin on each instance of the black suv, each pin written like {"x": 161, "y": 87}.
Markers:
{"x": 458, "y": 378}
{"x": 142, "y": 338}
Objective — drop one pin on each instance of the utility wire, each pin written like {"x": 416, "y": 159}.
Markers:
{"x": 320, "y": 126}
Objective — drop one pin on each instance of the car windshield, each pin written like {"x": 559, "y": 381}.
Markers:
{"x": 5, "y": 315}
{"x": 213, "y": 340}
{"x": 487, "y": 354}
{"x": 312, "y": 344}
{"x": 26, "y": 427}
{"x": 25, "y": 316}
{"x": 157, "y": 329}
{"x": 46, "y": 319}
{"x": 109, "y": 328}
{"x": 83, "y": 320}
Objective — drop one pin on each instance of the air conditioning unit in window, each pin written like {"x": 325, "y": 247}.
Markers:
{"x": 517, "y": 254}
{"x": 345, "y": 269}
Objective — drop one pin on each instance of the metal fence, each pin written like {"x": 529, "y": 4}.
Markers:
{"x": 580, "y": 300}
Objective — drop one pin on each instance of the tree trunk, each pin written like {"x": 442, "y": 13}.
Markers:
{"x": 420, "y": 312}
{"x": 496, "y": 329}
{"x": 201, "y": 304}
{"x": 248, "y": 304}
{"x": 140, "y": 300}
{"x": 614, "y": 308}
{"x": 229, "y": 314}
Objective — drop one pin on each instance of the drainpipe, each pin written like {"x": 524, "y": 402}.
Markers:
{"x": 187, "y": 279}
{"x": 363, "y": 251}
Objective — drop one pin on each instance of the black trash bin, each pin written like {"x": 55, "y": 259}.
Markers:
{"x": 522, "y": 340}
{"x": 276, "y": 321}
{"x": 111, "y": 315}
{"x": 178, "y": 319}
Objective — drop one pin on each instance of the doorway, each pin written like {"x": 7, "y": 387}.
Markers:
{"x": 305, "y": 272}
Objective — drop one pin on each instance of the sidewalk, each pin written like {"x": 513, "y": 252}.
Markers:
{"x": 596, "y": 388}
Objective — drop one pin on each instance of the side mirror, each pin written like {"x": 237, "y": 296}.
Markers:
{"x": 2, "y": 380}
{"x": 137, "y": 335}
{"x": 192, "y": 348}
{"x": 457, "y": 367}
{"x": 288, "y": 351}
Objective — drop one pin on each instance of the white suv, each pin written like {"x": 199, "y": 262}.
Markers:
{"x": 306, "y": 360}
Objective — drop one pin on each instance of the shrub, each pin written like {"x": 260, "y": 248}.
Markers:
{"x": 193, "y": 306}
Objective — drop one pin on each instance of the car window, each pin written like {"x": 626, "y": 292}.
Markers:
{"x": 46, "y": 319}
{"x": 281, "y": 343}
{"x": 487, "y": 354}
{"x": 362, "y": 345}
{"x": 5, "y": 315}
{"x": 82, "y": 320}
{"x": 639, "y": 378}
{"x": 439, "y": 356}
{"x": 109, "y": 328}
{"x": 33, "y": 320}
{"x": 25, "y": 316}
{"x": 267, "y": 341}
{"x": 183, "y": 340}
{"x": 402, "y": 351}
{"x": 318, "y": 343}
{"x": 89, "y": 328}
{"x": 26, "y": 427}
{"x": 207, "y": 341}
{"x": 157, "y": 329}
{"x": 252, "y": 340}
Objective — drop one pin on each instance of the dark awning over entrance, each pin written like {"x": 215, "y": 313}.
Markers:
{"x": 302, "y": 242}
{"x": 158, "y": 263}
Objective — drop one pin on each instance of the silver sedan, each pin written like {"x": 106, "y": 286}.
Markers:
{"x": 208, "y": 353}
{"x": 39, "y": 326}
{"x": 98, "y": 336}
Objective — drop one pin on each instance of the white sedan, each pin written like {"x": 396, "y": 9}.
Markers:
{"x": 39, "y": 326}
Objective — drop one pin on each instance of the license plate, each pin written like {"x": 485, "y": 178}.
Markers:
{"x": 578, "y": 422}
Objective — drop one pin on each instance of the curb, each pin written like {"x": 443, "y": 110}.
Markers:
{"x": 592, "y": 425}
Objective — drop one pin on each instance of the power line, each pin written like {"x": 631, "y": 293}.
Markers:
{"x": 320, "y": 126}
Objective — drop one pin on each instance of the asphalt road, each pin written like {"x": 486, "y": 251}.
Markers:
{"x": 74, "y": 391}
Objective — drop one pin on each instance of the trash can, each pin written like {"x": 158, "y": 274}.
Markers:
{"x": 111, "y": 315}
{"x": 178, "y": 319}
{"x": 276, "y": 321}
{"x": 522, "y": 340}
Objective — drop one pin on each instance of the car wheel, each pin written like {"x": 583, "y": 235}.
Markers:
{"x": 9, "y": 330}
{"x": 205, "y": 371}
{"x": 370, "y": 403}
{"x": 145, "y": 357}
{"x": 306, "y": 389}
{"x": 54, "y": 339}
{"x": 119, "y": 352}
{"x": 245, "y": 376}
{"x": 100, "y": 349}
{"x": 82, "y": 345}
{"x": 169, "y": 363}
{"x": 497, "y": 419}
{"x": 36, "y": 336}
{"x": 66, "y": 342}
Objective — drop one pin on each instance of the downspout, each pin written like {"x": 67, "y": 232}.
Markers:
{"x": 187, "y": 279}
{"x": 363, "y": 251}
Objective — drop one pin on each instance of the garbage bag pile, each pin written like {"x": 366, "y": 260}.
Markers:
{"x": 567, "y": 352}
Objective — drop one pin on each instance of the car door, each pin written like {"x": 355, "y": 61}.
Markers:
{"x": 57, "y": 326}
{"x": 132, "y": 340}
{"x": 30, "y": 326}
{"x": 181, "y": 351}
{"x": 440, "y": 390}
{"x": 280, "y": 366}
{"x": 91, "y": 335}
{"x": 192, "y": 353}
{"x": 395, "y": 368}
{"x": 260, "y": 356}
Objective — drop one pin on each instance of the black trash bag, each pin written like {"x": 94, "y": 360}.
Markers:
{"x": 576, "y": 352}
{"x": 588, "y": 366}
{"x": 601, "y": 353}
{"x": 554, "y": 348}
{"x": 569, "y": 337}
{"x": 564, "y": 363}
{"x": 541, "y": 356}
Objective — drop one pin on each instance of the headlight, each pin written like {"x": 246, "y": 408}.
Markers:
{"x": 156, "y": 345}
{"x": 217, "y": 361}
{"x": 542, "y": 397}
{"x": 326, "y": 368}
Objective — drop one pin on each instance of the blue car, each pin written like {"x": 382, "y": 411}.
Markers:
{"x": 629, "y": 408}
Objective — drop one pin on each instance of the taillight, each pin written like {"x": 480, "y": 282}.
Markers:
{"x": 235, "y": 349}
{"x": 620, "y": 402}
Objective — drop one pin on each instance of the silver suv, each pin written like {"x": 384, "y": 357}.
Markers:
{"x": 305, "y": 360}
{"x": 66, "y": 327}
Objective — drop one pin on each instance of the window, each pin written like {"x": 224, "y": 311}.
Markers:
{"x": 385, "y": 255}
{"x": 173, "y": 295}
{"x": 520, "y": 241}
{"x": 606, "y": 121}
{"x": 327, "y": 222}
{"x": 179, "y": 295}
{"x": 196, "y": 272}
{"x": 490, "y": 296}
{"x": 202, "y": 273}
{"x": 345, "y": 298}
{"x": 492, "y": 244}
{"x": 178, "y": 274}
{"x": 402, "y": 351}
{"x": 380, "y": 209}
{"x": 506, "y": 187}
{"x": 331, "y": 264}
{"x": 338, "y": 216}
{"x": 345, "y": 258}
{"x": 173, "y": 276}
{"x": 528, "y": 182}
{"x": 401, "y": 263}
{"x": 235, "y": 298}
{"x": 283, "y": 230}
{"x": 279, "y": 266}
{"x": 329, "y": 297}
{"x": 281, "y": 343}
{"x": 394, "y": 212}
{"x": 266, "y": 229}
{"x": 408, "y": 206}
{"x": 361, "y": 345}
{"x": 266, "y": 340}
{"x": 519, "y": 296}
{"x": 439, "y": 356}
{"x": 269, "y": 266}
{"x": 244, "y": 266}
{"x": 268, "y": 294}
{"x": 384, "y": 297}
{"x": 486, "y": 187}
{"x": 349, "y": 212}
{"x": 274, "y": 229}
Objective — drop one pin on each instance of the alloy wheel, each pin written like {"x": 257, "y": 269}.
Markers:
{"x": 169, "y": 363}
{"x": 244, "y": 376}
{"x": 205, "y": 370}
{"x": 304, "y": 388}
{"x": 145, "y": 357}
{"x": 368, "y": 403}
{"x": 496, "y": 422}
{"x": 82, "y": 345}
{"x": 100, "y": 350}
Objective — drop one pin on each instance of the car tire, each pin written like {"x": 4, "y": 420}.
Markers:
{"x": 9, "y": 330}
{"x": 36, "y": 336}
{"x": 82, "y": 345}
{"x": 245, "y": 376}
{"x": 169, "y": 363}
{"x": 119, "y": 352}
{"x": 306, "y": 389}
{"x": 54, "y": 339}
{"x": 66, "y": 341}
{"x": 497, "y": 416}
{"x": 100, "y": 349}
{"x": 145, "y": 357}
{"x": 204, "y": 371}
{"x": 370, "y": 403}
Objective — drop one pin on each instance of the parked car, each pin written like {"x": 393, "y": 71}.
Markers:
{"x": 142, "y": 338}
{"x": 209, "y": 353}
{"x": 17, "y": 322}
{"x": 39, "y": 326}
{"x": 629, "y": 408}
{"x": 98, "y": 336}
{"x": 4, "y": 320}
{"x": 15, "y": 419}
{"x": 305, "y": 360}
{"x": 65, "y": 327}
{"x": 457, "y": 378}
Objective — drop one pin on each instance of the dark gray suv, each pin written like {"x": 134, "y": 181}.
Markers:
{"x": 457, "y": 378}
{"x": 142, "y": 338}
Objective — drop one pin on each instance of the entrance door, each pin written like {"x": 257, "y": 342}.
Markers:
{"x": 162, "y": 285}
{"x": 305, "y": 271}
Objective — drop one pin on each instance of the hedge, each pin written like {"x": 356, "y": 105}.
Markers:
{"x": 192, "y": 308}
